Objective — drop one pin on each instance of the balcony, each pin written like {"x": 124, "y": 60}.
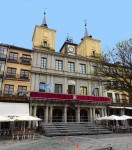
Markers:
{"x": 125, "y": 101}
{"x": 12, "y": 60}
{"x": 25, "y": 60}
{"x": 56, "y": 96}
{"x": 25, "y": 77}
{"x": 11, "y": 76}
{"x": 2, "y": 57}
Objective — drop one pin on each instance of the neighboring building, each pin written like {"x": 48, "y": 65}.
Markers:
{"x": 68, "y": 71}
{"x": 3, "y": 59}
{"x": 17, "y": 78}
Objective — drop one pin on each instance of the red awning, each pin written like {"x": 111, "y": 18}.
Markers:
{"x": 68, "y": 97}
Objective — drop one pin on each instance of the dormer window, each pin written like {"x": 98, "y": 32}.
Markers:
{"x": 93, "y": 53}
{"x": 45, "y": 44}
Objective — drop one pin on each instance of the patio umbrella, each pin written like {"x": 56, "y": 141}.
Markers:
{"x": 113, "y": 117}
{"x": 102, "y": 118}
{"x": 4, "y": 119}
{"x": 127, "y": 117}
{"x": 98, "y": 116}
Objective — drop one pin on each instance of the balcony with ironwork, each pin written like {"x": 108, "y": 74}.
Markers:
{"x": 2, "y": 57}
{"x": 25, "y": 61}
{"x": 10, "y": 76}
{"x": 24, "y": 77}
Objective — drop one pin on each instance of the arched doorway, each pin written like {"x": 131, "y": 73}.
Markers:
{"x": 83, "y": 115}
{"x": 40, "y": 113}
{"x": 57, "y": 115}
{"x": 71, "y": 115}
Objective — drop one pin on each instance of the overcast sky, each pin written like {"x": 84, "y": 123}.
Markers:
{"x": 107, "y": 20}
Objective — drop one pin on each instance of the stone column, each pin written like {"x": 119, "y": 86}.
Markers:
{"x": 65, "y": 64}
{"x": 102, "y": 112}
{"x": 39, "y": 59}
{"x": 37, "y": 83}
{"x": 33, "y": 82}
{"x": 89, "y": 89}
{"x": 78, "y": 114}
{"x": 34, "y": 58}
{"x": 46, "y": 114}
{"x": 93, "y": 113}
{"x": 65, "y": 85}
{"x": 77, "y": 87}
{"x": 105, "y": 112}
{"x": 51, "y": 112}
{"x": 34, "y": 114}
{"x": 48, "y": 61}
{"x": 91, "y": 117}
{"x": 53, "y": 62}
{"x": 48, "y": 81}
{"x": 65, "y": 114}
{"x": 52, "y": 87}
{"x": 76, "y": 66}
{"x": 100, "y": 90}
{"x": 30, "y": 113}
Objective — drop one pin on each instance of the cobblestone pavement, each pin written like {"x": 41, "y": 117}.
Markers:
{"x": 87, "y": 142}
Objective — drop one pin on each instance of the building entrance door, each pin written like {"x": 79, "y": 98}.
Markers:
{"x": 57, "y": 115}
{"x": 71, "y": 115}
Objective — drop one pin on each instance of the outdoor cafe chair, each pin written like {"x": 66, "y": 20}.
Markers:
{"x": 20, "y": 134}
{"x": 15, "y": 134}
{"x": 26, "y": 134}
{"x": 32, "y": 134}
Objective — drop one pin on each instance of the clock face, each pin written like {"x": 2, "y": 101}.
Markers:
{"x": 71, "y": 49}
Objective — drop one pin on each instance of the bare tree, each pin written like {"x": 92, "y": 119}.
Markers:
{"x": 114, "y": 69}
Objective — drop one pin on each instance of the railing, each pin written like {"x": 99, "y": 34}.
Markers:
{"x": 68, "y": 119}
{"x": 20, "y": 95}
{"x": 2, "y": 56}
{"x": 25, "y": 60}
{"x": 23, "y": 77}
{"x": 11, "y": 75}
{"x": 12, "y": 60}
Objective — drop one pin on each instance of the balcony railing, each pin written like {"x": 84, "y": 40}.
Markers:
{"x": 10, "y": 75}
{"x": 12, "y": 60}
{"x": 22, "y": 95}
{"x": 25, "y": 60}
{"x": 2, "y": 56}
{"x": 24, "y": 77}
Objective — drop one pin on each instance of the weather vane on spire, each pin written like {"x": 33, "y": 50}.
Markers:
{"x": 85, "y": 22}
{"x": 44, "y": 10}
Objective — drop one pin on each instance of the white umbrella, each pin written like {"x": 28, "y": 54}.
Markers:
{"x": 113, "y": 117}
{"x": 126, "y": 117}
{"x": 102, "y": 118}
{"x": 4, "y": 119}
{"x": 26, "y": 118}
{"x": 98, "y": 116}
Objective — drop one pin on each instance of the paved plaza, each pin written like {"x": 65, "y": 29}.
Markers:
{"x": 87, "y": 142}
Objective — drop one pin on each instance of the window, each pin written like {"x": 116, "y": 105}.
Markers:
{"x": 22, "y": 89}
{"x": 24, "y": 74}
{"x": 117, "y": 98}
{"x": 43, "y": 62}
{"x": 42, "y": 84}
{"x": 84, "y": 90}
{"x": 82, "y": 69}
{"x": 93, "y": 53}
{"x": 8, "y": 89}
{"x": 71, "y": 89}
{"x": 58, "y": 65}
{"x": 58, "y": 88}
{"x": 70, "y": 67}
{"x": 11, "y": 72}
{"x": 96, "y": 92}
{"x": 115, "y": 84}
{"x": 107, "y": 70}
{"x": 94, "y": 70}
{"x": 13, "y": 56}
{"x": 26, "y": 58}
{"x": 108, "y": 84}
{"x": 113, "y": 71}
{"x": 110, "y": 95}
{"x": 124, "y": 98}
{"x": 1, "y": 51}
{"x": 45, "y": 44}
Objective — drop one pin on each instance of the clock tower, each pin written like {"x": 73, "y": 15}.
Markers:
{"x": 69, "y": 47}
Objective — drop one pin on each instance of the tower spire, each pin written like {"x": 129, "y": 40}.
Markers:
{"x": 44, "y": 24}
{"x": 86, "y": 32}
